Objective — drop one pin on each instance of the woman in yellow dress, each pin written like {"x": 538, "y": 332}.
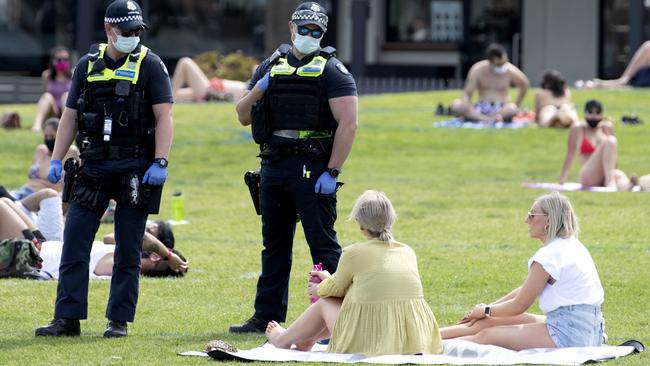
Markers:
{"x": 374, "y": 303}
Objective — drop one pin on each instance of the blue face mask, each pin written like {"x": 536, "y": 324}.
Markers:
{"x": 306, "y": 44}
{"x": 126, "y": 44}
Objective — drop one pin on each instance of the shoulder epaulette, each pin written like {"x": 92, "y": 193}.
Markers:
{"x": 93, "y": 51}
{"x": 328, "y": 52}
{"x": 282, "y": 51}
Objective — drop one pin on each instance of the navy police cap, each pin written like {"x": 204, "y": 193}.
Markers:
{"x": 125, "y": 14}
{"x": 310, "y": 13}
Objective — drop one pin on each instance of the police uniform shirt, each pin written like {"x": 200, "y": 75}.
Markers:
{"x": 153, "y": 77}
{"x": 338, "y": 79}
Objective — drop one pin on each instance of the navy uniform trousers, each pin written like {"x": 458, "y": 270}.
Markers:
{"x": 80, "y": 229}
{"x": 287, "y": 190}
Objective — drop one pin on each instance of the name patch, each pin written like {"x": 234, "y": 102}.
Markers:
{"x": 125, "y": 73}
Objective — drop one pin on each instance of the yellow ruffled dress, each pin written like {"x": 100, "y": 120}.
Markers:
{"x": 383, "y": 310}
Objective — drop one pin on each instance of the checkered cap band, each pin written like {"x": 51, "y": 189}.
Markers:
{"x": 125, "y": 19}
{"x": 310, "y": 16}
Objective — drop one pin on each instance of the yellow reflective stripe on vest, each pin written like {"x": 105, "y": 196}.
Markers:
{"x": 314, "y": 68}
{"x": 130, "y": 70}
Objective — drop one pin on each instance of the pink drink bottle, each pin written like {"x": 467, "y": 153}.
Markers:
{"x": 315, "y": 279}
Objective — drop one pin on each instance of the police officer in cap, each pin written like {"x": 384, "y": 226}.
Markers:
{"x": 120, "y": 110}
{"x": 302, "y": 103}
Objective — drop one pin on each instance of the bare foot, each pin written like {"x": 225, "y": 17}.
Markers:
{"x": 305, "y": 346}
{"x": 273, "y": 333}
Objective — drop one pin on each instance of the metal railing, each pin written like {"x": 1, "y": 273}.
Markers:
{"x": 378, "y": 85}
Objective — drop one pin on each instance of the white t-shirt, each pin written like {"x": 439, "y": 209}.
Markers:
{"x": 51, "y": 254}
{"x": 574, "y": 271}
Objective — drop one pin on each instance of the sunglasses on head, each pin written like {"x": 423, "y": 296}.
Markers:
{"x": 315, "y": 33}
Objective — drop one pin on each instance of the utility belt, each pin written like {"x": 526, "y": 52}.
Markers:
{"x": 114, "y": 152}
{"x": 315, "y": 149}
{"x": 93, "y": 190}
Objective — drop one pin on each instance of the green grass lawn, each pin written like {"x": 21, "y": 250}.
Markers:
{"x": 457, "y": 193}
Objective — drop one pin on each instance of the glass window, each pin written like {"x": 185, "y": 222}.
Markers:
{"x": 187, "y": 27}
{"x": 30, "y": 28}
{"x": 615, "y": 52}
{"x": 433, "y": 21}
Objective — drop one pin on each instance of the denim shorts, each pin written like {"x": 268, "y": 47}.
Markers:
{"x": 575, "y": 326}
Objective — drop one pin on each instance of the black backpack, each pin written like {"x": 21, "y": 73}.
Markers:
{"x": 19, "y": 258}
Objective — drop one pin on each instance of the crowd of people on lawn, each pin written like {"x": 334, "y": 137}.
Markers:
{"x": 374, "y": 302}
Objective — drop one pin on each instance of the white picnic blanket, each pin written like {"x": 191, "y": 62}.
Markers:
{"x": 574, "y": 186}
{"x": 456, "y": 352}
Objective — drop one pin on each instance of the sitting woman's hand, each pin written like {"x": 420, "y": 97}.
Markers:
{"x": 473, "y": 315}
{"x": 312, "y": 287}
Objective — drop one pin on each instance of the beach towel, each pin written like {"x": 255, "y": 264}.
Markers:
{"x": 573, "y": 186}
{"x": 456, "y": 352}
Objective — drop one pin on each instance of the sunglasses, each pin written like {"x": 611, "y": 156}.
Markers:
{"x": 532, "y": 214}
{"x": 315, "y": 33}
{"x": 133, "y": 33}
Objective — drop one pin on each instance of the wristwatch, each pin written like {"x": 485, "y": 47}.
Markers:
{"x": 162, "y": 162}
{"x": 334, "y": 172}
{"x": 488, "y": 310}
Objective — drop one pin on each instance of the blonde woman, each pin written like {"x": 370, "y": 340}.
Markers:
{"x": 374, "y": 303}
{"x": 561, "y": 274}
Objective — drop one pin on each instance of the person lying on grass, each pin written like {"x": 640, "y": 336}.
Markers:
{"x": 561, "y": 274}
{"x": 159, "y": 257}
{"x": 374, "y": 303}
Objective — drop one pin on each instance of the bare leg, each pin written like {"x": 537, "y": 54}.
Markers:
{"x": 623, "y": 183}
{"x": 46, "y": 108}
{"x": 460, "y": 108}
{"x": 547, "y": 116}
{"x": 33, "y": 201}
{"x": 567, "y": 115}
{"x": 461, "y": 330}
{"x": 599, "y": 169}
{"x": 640, "y": 59}
{"x": 11, "y": 222}
{"x": 317, "y": 321}
{"x": 189, "y": 83}
{"x": 508, "y": 111}
{"x": 515, "y": 337}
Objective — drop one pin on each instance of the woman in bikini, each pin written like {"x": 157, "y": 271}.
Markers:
{"x": 598, "y": 150}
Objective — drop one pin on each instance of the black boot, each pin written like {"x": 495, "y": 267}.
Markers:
{"x": 60, "y": 328}
{"x": 252, "y": 325}
{"x": 115, "y": 329}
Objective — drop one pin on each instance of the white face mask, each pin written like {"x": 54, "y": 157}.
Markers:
{"x": 305, "y": 44}
{"x": 501, "y": 69}
{"x": 126, "y": 44}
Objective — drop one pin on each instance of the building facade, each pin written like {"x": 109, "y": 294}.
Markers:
{"x": 437, "y": 39}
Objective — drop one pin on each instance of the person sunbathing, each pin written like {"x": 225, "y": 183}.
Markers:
{"x": 636, "y": 74}
{"x": 159, "y": 256}
{"x": 492, "y": 79}
{"x": 374, "y": 303}
{"x": 553, "y": 106}
{"x": 598, "y": 147}
{"x": 190, "y": 84}
{"x": 561, "y": 274}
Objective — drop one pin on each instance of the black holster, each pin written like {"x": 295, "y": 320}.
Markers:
{"x": 253, "y": 181}
{"x": 71, "y": 167}
{"x": 133, "y": 192}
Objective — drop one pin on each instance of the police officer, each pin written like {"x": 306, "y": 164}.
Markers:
{"x": 302, "y": 103}
{"x": 119, "y": 108}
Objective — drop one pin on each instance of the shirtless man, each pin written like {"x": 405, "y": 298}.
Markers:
{"x": 492, "y": 78}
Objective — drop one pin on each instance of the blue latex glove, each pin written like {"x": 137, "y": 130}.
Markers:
{"x": 54, "y": 174}
{"x": 155, "y": 175}
{"x": 326, "y": 184}
{"x": 263, "y": 83}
